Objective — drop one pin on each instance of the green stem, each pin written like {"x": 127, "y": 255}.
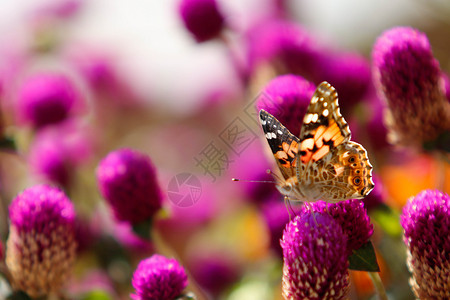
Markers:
{"x": 378, "y": 284}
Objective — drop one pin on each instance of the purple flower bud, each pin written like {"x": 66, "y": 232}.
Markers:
{"x": 286, "y": 46}
{"x": 214, "y": 271}
{"x": 408, "y": 78}
{"x": 46, "y": 98}
{"x": 287, "y": 97}
{"x": 351, "y": 215}
{"x": 350, "y": 74}
{"x": 202, "y": 18}
{"x": 41, "y": 240}
{"x": 57, "y": 150}
{"x": 160, "y": 278}
{"x": 426, "y": 223}
{"x": 315, "y": 258}
{"x": 127, "y": 180}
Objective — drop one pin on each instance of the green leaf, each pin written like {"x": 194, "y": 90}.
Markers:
{"x": 364, "y": 259}
{"x": 7, "y": 143}
{"x": 97, "y": 295}
{"x": 388, "y": 219}
{"x": 143, "y": 229}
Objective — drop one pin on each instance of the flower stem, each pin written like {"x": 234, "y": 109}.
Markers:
{"x": 378, "y": 284}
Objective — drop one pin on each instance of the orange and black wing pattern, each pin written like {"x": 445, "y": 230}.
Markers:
{"x": 284, "y": 145}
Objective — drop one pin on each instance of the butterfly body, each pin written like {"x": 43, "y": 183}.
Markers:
{"x": 323, "y": 163}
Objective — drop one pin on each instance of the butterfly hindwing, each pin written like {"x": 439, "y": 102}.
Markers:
{"x": 331, "y": 167}
{"x": 283, "y": 144}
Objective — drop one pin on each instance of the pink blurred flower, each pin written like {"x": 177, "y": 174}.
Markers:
{"x": 287, "y": 98}
{"x": 408, "y": 77}
{"x": 158, "y": 277}
{"x": 127, "y": 180}
{"x": 202, "y": 18}
{"x": 46, "y": 98}
{"x": 57, "y": 150}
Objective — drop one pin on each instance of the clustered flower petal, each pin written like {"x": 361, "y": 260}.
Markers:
{"x": 46, "y": 98}
{"x": 127, "y": 181}
{"x": 315, "y": 258}
{"x": 287, "y": 98}
{"x": 408, "y": 77}
{"x": 351, "y": 216}
{"x": 158, "y": 277}
{"x": 426, "y": 223}
{"x": 41, "y": 246}
{"x": 202, "y": 18}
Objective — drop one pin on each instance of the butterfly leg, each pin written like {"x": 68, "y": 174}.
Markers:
{"x": 312, "y": 212}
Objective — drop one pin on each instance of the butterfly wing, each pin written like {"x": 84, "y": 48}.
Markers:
{"x": 284, "y": 145}
{"x": 330, "y": 166}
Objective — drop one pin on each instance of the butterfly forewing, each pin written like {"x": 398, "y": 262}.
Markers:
{"x": 283, "y": 144}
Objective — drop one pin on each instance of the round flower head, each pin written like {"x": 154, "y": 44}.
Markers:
{"x": 350, "y": 74}
{"x": 41, "y": 240}
{"x": 351, "y": 216}
{"x": 287, "y": 47}
{"x": 57, "y": 150}
{"x": 214, "y": 271}
{"x": 46, "y": 98}
{"x": 202, "y": 18}
{"x": 160, "y": 278}
{"x": 408, "y": 78}
{"x": 127, "y": 180}
{"x": 287, "y": 98}
{"x": 315, "y": 258}
{"x": 426, "y": 223}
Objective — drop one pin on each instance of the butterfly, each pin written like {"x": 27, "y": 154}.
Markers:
{"x": 323, "y": 164}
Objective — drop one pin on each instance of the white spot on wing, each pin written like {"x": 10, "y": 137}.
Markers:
{"x": 308, "y": 118}
{"x": 314, "y": 118}
{"x": 325, "y": 112}
{"x": 280, "y": 132}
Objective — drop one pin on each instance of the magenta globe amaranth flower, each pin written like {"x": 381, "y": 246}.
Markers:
{"x": 214, "y": 271}
{"x": 287, "y": 47}
{"x": 158, "y": 277}
{"x": 351, "y": 216}
{"x": 202, "y": 18}
{"x": 46, "y": 98}
{"x": 56, "y": 151}
{"x": 426, "y": 223}
{"x": 287, "y": 97}
{"x": 41, "y": 245}
{"x": 315, "y": 258}
{"x": 408, "y": 77}
{"x": 350, "y": 74}
{"x": 127, "y": 180}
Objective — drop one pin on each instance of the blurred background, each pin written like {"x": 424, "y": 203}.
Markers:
{"x": 143, "y": 81}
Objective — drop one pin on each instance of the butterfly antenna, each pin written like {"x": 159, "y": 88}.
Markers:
{"x": 274, "y": 175}
{"x": 254, "y": 181}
